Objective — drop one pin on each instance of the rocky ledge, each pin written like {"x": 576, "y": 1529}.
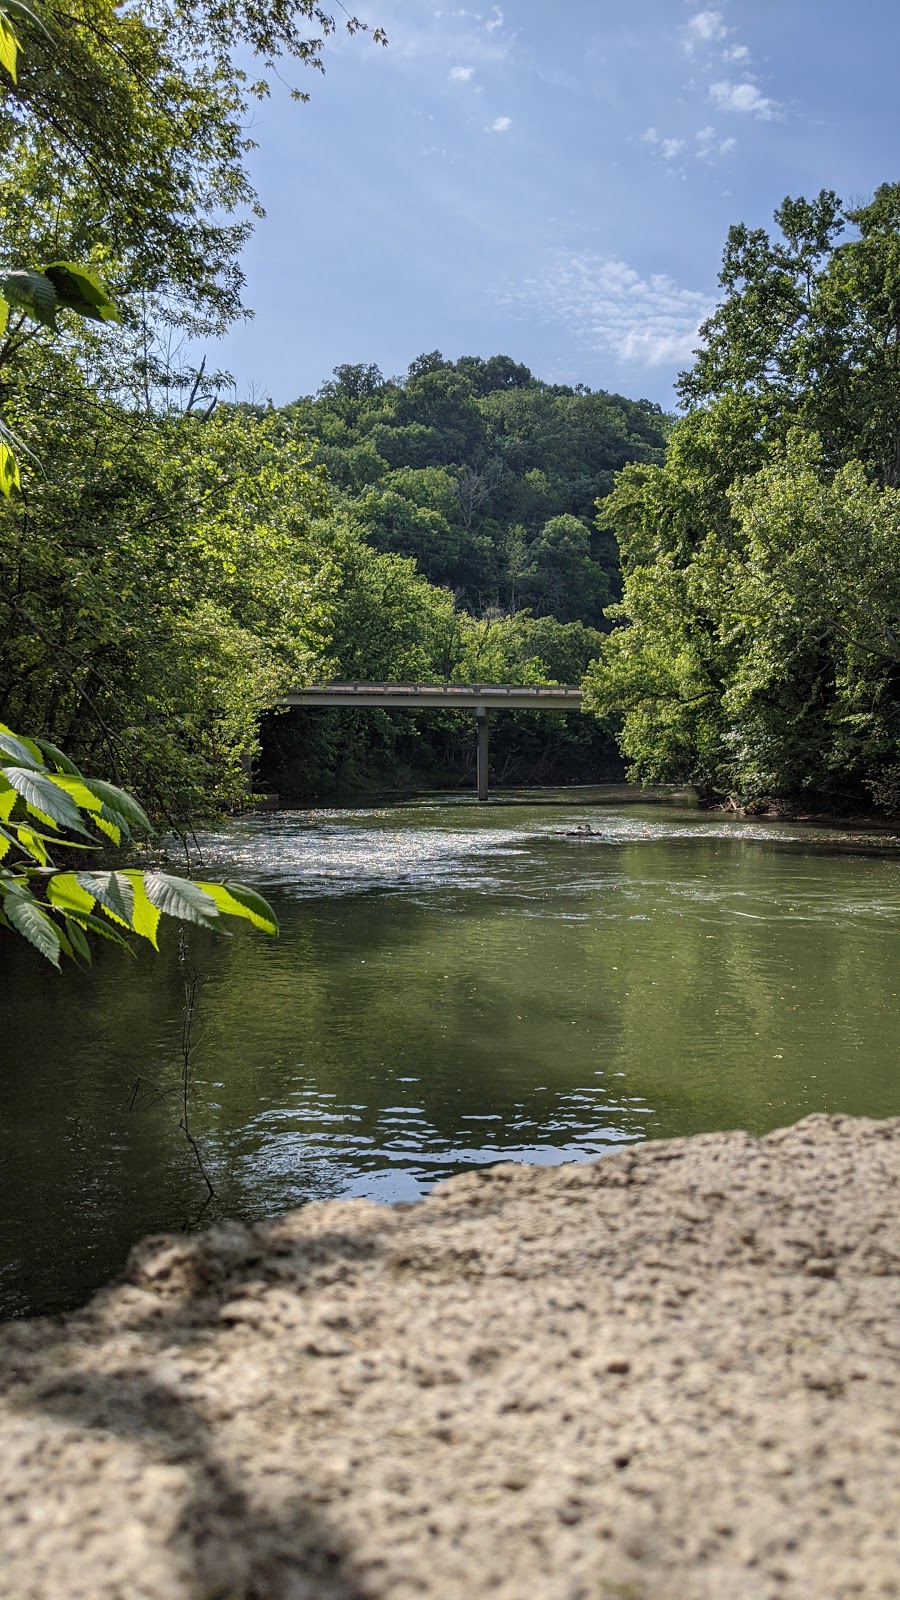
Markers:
{"x": 672, "y": 1373}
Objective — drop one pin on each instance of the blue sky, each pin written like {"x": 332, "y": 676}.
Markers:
{"x": 549, "y": 179}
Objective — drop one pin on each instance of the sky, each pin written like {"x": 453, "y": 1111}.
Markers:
{"x": 552, "y": 180}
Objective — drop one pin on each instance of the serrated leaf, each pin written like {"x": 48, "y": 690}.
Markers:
{"x": 59, "y": 759}
{"x": 179, "y": 897}
{"x": 8, "y": 798}
{"x": 79, "y": 941}
{"x": 9, "y": 47}
{"x": 65, "y": 892}
{"x": 44, "y": 798}
{"x": 78, "y": 790}
{"x": 236, "y": 900}
{"x": 33, "y": 844}
{"x": 26, "y": 916}
{"x": 23, "y": 751}
{"x": 103, "y": 929}
{"x": 113, "y": 891}
{"x": 145, "y": 915}
{"x": 79, "y": 289}
{"x": 9, "y": 471}
{"x": 32, "y": 292}
{"x": 111, "y": 829}
{"x": 123, "y": 805}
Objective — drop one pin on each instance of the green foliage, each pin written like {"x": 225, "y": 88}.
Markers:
{"x": 44, "y": 798}
{"x": 806, "y": 333}
{"x": 757, "y": 648}
{"x": 164, "y": 581}
{"x": 467, "y": 466}
{"x": 123, "y": 135}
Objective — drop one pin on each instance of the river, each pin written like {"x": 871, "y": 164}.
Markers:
{"x": 454, "y": 985}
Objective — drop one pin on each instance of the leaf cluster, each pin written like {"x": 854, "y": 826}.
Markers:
{"x": 45, "y": 800}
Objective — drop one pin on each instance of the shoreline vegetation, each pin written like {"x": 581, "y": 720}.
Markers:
{"x": 670, "y": 1370}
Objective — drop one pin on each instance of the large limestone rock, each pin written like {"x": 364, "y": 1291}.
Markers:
{"x": 673, "y": 1373}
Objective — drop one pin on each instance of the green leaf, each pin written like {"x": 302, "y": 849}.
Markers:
{"x": 98, "y": 926}
{"x": 236, "y": 900}
{"x": 8, "y": 798}
{"x": 78, "y": 289}
{"x": 26, "y": 916}
{"x": 79, "y": 942}
{"x": 9, "y": 471}
{"x": 78, "y": 790}
{"x": 111, "y": 829}
{"x": 23, "y": 751}
{"x": 113, "y": 891}
{"x": 179, "y": 897}
{"x": 145, "y": 915}
{"x": 65, "y": 892}
{"x": 4, "y": 315}
{"x": 9, "y": 47}
{"x": 19, "y": 9}
{"x": 121, "y": 803}
{"x": 60, "y": 761}
{"x": 31, "y": 292}
{"x": 33, "y": 844}
{"x": 44, "y": 798}
{"x": 31, "y": 749}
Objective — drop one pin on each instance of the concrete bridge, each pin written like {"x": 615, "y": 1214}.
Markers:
{"x": 481, "y": 698}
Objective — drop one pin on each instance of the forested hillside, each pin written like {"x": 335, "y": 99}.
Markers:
{"x": 488, "y": 479}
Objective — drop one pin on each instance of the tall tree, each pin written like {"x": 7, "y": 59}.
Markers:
{"x": 755, "y": 650}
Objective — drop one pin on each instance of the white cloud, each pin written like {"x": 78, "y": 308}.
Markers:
{"x": 705, "y": 27}
{"x": 738, "y": 52}
{"x": 710, "y": 144}
{"x": 417, "y": 33}
{"x": 744, "y": 97}
{"x": 501, "y": 125}
{"x": 672, "y": 148}
{"x": 461, "y": 74}
{"x": 648, "y": 322}
{"x": 650, "y": 137}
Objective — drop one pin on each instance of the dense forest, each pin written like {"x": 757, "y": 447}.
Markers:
{"x": 172, "y": 561}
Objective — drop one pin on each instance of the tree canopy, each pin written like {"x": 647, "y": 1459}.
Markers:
{"x": 756, "y": 647}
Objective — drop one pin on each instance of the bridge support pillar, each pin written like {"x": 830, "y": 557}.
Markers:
{"x": 481, "y": 723}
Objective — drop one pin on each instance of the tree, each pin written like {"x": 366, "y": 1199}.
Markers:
{"x": 754, "y": 654}
{"x": 808, "y": 330}
{"x": 561, "y": 579}
{"x": 123, "y": 134}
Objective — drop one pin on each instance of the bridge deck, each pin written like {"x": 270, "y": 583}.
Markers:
{"x": 478, "y": 697}
{"x": 446, "y": 696}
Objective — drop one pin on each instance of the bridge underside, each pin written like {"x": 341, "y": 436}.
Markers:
{"x": 480, "y": 698}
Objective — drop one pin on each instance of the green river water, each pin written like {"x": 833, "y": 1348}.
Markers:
{"x": 454, "y": 985}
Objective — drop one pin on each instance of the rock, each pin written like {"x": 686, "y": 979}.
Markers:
{"x": 673, "y": 1371}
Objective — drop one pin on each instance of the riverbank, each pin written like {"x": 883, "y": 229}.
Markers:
{"x": 673, "y": 1371}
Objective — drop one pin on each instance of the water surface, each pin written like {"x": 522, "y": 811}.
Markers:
{"x": 454, "y": 985}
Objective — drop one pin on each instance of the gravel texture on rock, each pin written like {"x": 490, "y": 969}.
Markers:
{"x": 668, "y": 1375}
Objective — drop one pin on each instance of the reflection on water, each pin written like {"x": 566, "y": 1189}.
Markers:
{"x": 454, "y": 985}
